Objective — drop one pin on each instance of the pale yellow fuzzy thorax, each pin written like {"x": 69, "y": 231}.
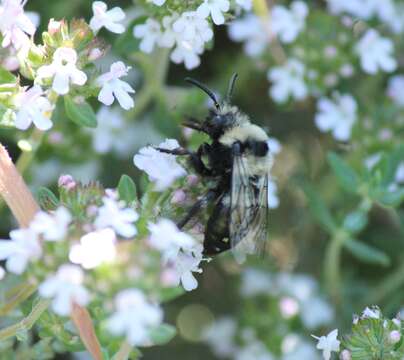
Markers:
{"x": 243, "y": 132}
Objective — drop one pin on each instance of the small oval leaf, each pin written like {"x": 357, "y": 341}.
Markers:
{"x": 127, "y": 189}
{"x": 80, "y": 113}
{"x": 367, "y": 253}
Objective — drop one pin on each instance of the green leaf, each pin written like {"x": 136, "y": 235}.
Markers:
{"x": 162, "y": 334}
{"x": 355, "y": 221}
{"x": 127, "y": 189}
{"x": 6, "y": 77}
{"x": 80, "y": 113}
{"x": 319, "y": 209}
{"x": 367, "y": 253}
{"x": 391, "y": 198}
{"x": 346, "y": 176}
{"x": 47, "y": 199}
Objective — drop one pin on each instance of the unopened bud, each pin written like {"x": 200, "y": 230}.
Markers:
{"x": 67, "y": 182}
{"x": 178, "y": 197}
{"x": 54, "y": 26}
{"x": 394, "y": 337}
{"x": 345, "y": 355}
{"x": 95, "y": 54}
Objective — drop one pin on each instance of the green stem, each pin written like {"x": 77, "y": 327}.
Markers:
{"x": 20, "y": 293}
{"x": 123, "y": 352}
{"x": 26, "y": 323}
{"x": 332, "y": 266}
{"x": 390, "y": 284}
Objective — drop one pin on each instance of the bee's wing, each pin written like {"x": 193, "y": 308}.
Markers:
{"x": 249, "y": 210}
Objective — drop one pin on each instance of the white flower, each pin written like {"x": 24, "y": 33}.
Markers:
{"x": 376, "y": 53}
{"x": 135, "y": 317}
{"x": 399, "y": 176}
{"x": 112, "y": 86}
{"x": 2, "y": 273}
{"x": 94, "y": 249}
{"x": 255, "y": 282}
{"x": 251, "y": 31}
{"x": 372, "y": 313}
{"x": 220, "y": 336}
{"x": 185, "y": 264}
{"x": 107, "y": 18}
{"x": 150, "y": 33}
{"x": 337, "y": 115}
{"x": 14, "y": 24}
{"x": 288, "y": 80}
{"x": 162, "y": 168}
{"x": 63, "y": 70}
{"x": 245, "y": 4}
{"x": 54, "y": 226}
{"x": 111, "y": 214}
{"x": 167, "y": 238}
{"x": 192, "y": 28}
{"x": 214, "y": 8}
{"x": 295, "y": 348}
{"x": 395, "y": 89}
{"x": 287, "y": 24}
{"x": 187, "y": 54}
{"x": 274, "y": 146}
{"x": 328, "y": 344}
{"x": 273, "y": 200}
{"x": 158, "y": 2}
{"x": 168, "y": 36}
{"x": 254, "y": 350}
{"x": 23, "y": 247}
{"x": 317, "y": 312}
{"x": 33, "y": 107}
{"x": 110, "y": 131}
{"x": 65, "y": 287}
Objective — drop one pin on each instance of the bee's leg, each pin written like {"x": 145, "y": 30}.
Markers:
{"x": 201, "y": 203}
{"x": 217, "y": 237}
{"x": 194, "y": 124}
{"x": 194, "y": 157}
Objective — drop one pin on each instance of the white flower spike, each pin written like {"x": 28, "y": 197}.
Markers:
{"x": 54, "y": 226}
{"x": 112, "y": 87}
{"x": 328, "y": 344}
{"x": 214, "y": 8}
{"x": 135, "y": 317}
{"x": 23, "y": 247}
{"x": 63, "y": 70}
{"x": 111, "y": 214}
{"x": 162, "y": 168}
{"x": 33, "y": 107}
{"x": 65, "y": 287}
{"x": 107, "y": 18}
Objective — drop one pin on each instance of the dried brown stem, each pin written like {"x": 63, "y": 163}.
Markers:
{"x": 15, "y": 192}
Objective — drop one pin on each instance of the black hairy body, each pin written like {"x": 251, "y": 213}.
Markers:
{"x": 236, "y": 162}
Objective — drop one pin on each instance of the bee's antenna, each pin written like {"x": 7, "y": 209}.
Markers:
{"x": 205, "y": 89}
{"x": 231, "y": 86}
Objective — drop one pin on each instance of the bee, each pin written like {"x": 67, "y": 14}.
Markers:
{"x": 237, "y": 162}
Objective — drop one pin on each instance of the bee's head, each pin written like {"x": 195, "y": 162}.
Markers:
{"x": 222, "y": 116}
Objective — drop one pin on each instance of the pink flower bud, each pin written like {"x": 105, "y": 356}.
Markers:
{"x": 394, "y": 336}
{"x": 54, "y": 26}
{"x": 67, "y": 182}
{"x": 178, "y": 197}
{"x": 192, "y": 180}
{"x": 345, "y": 355}
{"x": 95, "y": 54}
